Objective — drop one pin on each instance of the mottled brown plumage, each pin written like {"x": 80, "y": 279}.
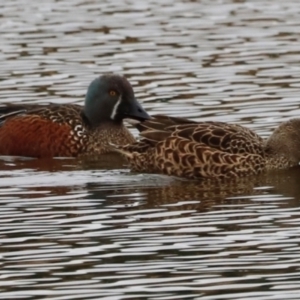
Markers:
{"x": 214, "y": 150}
{"x": 70, "y": 130}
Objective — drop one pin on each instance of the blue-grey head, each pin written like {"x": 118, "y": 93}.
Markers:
{"x": 110, "y": 98}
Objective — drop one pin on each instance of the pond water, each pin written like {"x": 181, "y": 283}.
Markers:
{"x": 89, "y": 229}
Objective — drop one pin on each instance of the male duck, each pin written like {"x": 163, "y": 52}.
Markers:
{"x": 69, "y": 130}
{"x": 214, "y": 150}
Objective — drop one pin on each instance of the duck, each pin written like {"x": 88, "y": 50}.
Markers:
{"x": 210, "y": 150}
{"x": 72, "y": 130}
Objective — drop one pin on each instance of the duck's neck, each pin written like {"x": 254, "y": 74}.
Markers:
{"x": 95, "y": 124}
{"x": 283, "y": 146}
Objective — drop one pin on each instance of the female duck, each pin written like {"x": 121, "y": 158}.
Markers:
{"x": 214, "y": 150}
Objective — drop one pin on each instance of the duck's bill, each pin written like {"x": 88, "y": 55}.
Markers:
{"x": 133, "y": 111}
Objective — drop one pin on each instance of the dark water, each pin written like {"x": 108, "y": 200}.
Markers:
{"x": 88, "y": 229}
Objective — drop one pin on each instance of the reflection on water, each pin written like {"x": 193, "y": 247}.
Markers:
{"x": 101, "y": 232}
{"x": 88, "y": 228}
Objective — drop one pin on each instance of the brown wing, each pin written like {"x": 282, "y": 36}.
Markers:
{"x": 230, "y": 138}
{"x": 54, "y": 112}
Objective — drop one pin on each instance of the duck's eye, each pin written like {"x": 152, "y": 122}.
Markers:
{"x": 112, "y": 93}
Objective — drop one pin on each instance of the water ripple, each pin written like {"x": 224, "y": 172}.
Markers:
{"x": 89, "y": 229}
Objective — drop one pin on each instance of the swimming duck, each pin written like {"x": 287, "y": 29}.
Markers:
{"x": 70, "y": 130}
{"x": 211, "y": 150}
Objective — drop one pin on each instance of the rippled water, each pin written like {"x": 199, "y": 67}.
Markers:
{"x": 86, "y": 229}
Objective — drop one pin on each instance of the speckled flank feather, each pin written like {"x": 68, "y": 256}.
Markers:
{"x": 179, "y": 147}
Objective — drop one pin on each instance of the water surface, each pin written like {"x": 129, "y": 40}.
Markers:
{"x": 89, "y": 229}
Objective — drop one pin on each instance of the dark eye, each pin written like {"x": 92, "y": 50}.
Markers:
{"x": 112, "y": 93}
